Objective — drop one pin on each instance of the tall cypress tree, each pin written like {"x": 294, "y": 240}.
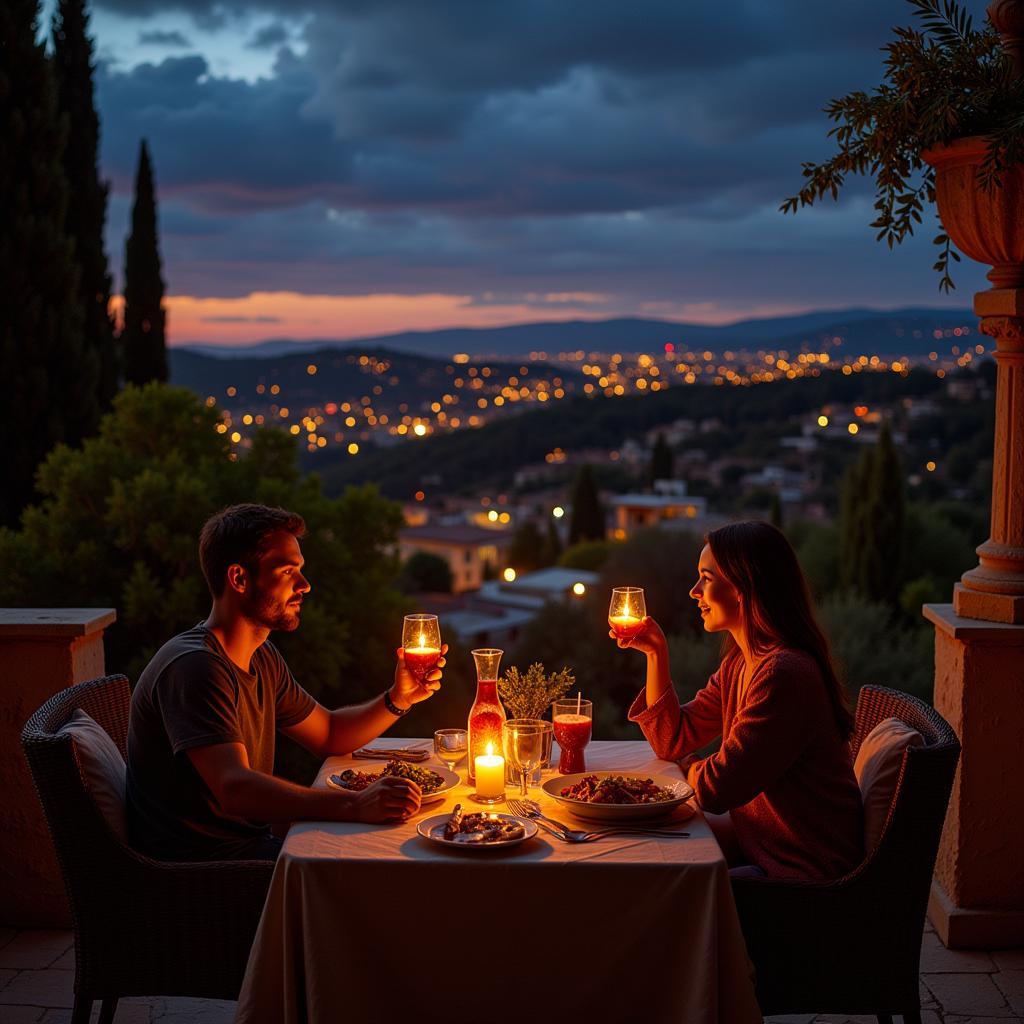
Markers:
{"x": 661, "y": 460}
{"x": 872, "y": 523}
{"x": 48, "y": 374}
{"x": 143, "y": 342}
{"x": 73, "y": 68}
{"x": 884, "y": 552}
{"x": 587, "y": 521}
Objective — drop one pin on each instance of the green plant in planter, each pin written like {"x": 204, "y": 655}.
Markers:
{"x": 530, "y": 694}
{"x": 942, "y": 83}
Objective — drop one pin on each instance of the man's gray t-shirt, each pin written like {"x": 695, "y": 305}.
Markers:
{"x": 192, "y": 695}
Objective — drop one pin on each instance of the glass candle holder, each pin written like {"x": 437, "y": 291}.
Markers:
{"x": 421, "y": 643}
{"x": 626, "y": 611}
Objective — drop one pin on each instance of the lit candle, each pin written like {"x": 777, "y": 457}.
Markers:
{"x": 625, "y": 625}
{"x": 490, "y": 774}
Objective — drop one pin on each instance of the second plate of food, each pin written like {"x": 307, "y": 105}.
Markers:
{"x": 477, "y": 830}
{"x": 433, "y": 782}
{"x": 618, "y": 796}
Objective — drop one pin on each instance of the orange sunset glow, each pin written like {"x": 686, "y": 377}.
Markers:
{"x": 261, "y": 316}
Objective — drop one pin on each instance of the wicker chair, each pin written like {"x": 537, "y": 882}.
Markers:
{"x": 853, "y": 946}
{"x": 142, "y": 927}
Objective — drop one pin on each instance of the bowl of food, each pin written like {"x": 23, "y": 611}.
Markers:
{"x": 618, "y": 795}
{"x": 434, "y": 783}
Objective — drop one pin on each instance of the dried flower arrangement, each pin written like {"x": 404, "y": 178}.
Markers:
{"x": 530, "y": 694}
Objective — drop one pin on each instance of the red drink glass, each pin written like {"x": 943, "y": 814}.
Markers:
{"x": 421, "y": 644}
{"x": 572, "y": 721}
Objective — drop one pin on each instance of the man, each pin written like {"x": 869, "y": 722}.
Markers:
{"x": 201, "y": 732}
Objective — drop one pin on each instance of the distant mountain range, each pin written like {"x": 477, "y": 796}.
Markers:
{"x": 890, "y": 332}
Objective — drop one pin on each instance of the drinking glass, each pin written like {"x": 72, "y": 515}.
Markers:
{"x": 451, "y": 745}
{"x": 523, "y": 742}
{"x": 421, "y": 642}
{"x": 626, "y": 611}
{"x": 572, "y": 720}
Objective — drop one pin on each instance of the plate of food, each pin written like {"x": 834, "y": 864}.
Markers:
{"x": 433, "y": 782}
{"x": 618, "y": 795}
{"x": 477, "y": 830}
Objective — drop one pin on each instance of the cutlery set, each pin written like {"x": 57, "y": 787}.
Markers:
{"x": 526, "y": 808}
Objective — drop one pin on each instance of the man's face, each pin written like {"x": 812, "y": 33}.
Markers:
{"x": 274, "y": 599}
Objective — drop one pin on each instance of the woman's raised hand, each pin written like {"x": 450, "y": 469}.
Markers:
{"x": 649, "y": 639}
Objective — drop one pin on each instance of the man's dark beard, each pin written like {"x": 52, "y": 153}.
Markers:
{"x": 271, "y": 613}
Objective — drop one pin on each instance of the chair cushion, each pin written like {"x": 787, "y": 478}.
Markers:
{"x": 877, "y": 768}
{"x": 103, "y": 766}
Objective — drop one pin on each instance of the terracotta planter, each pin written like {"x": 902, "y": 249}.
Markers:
{"x": 986, "y": 226}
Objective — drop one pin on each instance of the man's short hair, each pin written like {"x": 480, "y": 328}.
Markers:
{"x": 239, "y": 535}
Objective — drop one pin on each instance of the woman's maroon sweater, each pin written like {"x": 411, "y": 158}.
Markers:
{"x": 783, "y": 772}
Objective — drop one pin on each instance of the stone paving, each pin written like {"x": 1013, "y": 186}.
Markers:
{"x": 37, "y": 971}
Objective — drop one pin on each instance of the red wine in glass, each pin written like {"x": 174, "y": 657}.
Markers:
{"x": 572, "y": 721}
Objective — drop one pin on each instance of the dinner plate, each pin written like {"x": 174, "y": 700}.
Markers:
{"x": 619, "y": 812}
{"x": 451, "y": 780}
{"x": 433, "y": 829}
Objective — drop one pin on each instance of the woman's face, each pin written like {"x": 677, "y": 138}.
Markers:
{"x": 717, "y": 599}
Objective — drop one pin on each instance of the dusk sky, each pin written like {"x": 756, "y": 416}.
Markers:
{"x": 348, "y": 168}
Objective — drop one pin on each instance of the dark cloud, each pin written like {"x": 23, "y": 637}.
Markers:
{"x": 526, "y": 148}
{"x": 159, "y": 38}
{"x": 269, "y": 36}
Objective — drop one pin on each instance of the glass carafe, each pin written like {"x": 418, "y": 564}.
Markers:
{"x": 486, "y": 716}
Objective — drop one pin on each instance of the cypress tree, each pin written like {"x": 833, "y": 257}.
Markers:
{"x": 661, "y": 460}
{"x": 526, "y": 552}
{"x": 73, "y": 68}
{"x": 872, "y": 523}
{"x": 48, "y": 373}
{"x": 552, "y": 545}
{"x": 853, "y": 522}
{"x": 143, "y": 342}
{"x": 587, "y": 521}
{"x": 884, "y": 550}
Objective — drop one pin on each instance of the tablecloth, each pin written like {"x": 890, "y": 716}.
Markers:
{"x": 369, "y": 923}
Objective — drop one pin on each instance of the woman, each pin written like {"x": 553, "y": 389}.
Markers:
{"x": 780, "y": 792}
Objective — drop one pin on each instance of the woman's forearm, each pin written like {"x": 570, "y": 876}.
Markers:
{"x": 659, "y": 681}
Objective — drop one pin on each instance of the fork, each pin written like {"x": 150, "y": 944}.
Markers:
{"x": 556, "y": 828}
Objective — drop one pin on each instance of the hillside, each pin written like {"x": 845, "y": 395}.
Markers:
{"x": 897, "y": 332}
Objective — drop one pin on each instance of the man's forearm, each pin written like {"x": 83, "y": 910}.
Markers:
{"x": 354, "y": 726}
{"x": 260, "y": 797}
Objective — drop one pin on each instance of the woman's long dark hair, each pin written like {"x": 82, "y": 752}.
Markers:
{"x": 759, "y": 562}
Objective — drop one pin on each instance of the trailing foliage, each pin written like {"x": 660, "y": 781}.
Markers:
{"x": 947, "y": 81}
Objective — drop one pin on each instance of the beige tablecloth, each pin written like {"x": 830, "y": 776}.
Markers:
{"x": 368, "y": 923}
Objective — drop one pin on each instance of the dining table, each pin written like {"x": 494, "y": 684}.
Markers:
{"x": 366, "y": 923}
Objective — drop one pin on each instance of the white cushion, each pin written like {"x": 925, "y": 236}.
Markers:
{"x": 877, "y": 769}
{"x": 103, "y": 766}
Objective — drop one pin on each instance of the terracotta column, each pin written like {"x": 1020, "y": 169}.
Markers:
{"x": 977, "y": 898}
{"x": 42, "y": 651}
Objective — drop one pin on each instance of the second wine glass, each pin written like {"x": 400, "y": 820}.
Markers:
{"x": 523, "y": 743}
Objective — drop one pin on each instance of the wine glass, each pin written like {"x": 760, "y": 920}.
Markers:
{"x": 421, "y": 642}
{"x": 572, "y": 720}
{"x": 523, "y": 743}
{"x": 451, "y": 745}
{"x": 626, "y": 611}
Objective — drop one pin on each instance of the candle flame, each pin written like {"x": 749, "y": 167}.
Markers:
{"x": 490, "y": 749}
{"x": 625, "y": 609}
{"x": 423, "y": 640}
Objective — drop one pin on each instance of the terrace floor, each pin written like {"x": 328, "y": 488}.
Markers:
{"x": 37, "y": 971}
